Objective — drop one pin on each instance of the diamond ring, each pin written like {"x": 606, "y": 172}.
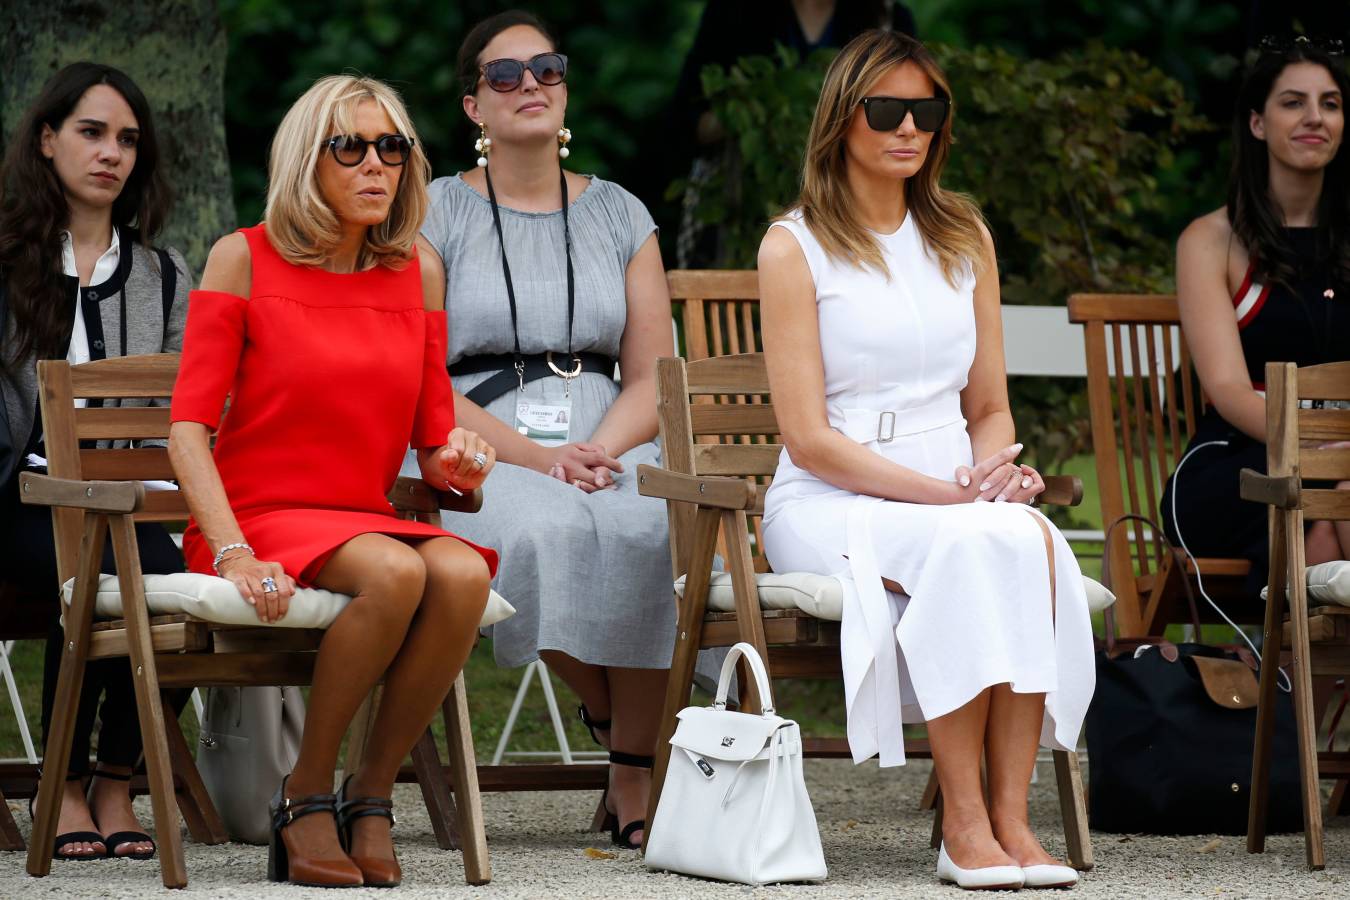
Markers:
{"x": 479, "y": 460}
{"x": 269, "y": 585}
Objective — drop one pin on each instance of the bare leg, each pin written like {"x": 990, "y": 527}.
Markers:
{"x": 437, "y": 646}
{"x": 957, "y": 741}
{"x": 1323, "y": 542}
{"x": 637, "y": 697}
{"x": 385, "y": 578}
{"x": 1010, "y": 747}
{"x": 588, "y": 682}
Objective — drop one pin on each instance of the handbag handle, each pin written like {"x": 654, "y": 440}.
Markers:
{"x": 756, "y": 666}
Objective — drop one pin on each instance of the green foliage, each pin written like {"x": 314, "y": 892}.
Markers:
{"x": 618, "y": 88}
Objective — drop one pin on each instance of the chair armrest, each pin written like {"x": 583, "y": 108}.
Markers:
{"x": 711, "y": 491}
{"x": 1061, "y": 490}
{"x": 1280, "y": 491}
{"x": 95, "y": 496}
{"x": 415, "y": 495}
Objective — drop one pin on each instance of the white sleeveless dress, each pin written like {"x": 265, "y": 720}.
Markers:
{"x": 897, "y": 354}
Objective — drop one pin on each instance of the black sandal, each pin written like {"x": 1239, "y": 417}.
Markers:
{"x": 71, "y": 837}
{"x": 376, "y": 872}
{"x": 622, "y": 837}
{"x": 593, "y": 725}
{"x": 120, "y": 838}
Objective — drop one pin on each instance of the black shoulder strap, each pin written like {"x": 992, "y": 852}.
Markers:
{"x": 168, "y": 281}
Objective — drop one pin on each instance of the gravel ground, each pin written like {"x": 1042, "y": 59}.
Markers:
{"x": 876, "y": 845}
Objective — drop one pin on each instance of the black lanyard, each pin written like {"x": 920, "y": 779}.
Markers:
{"x": 506, "y": 269}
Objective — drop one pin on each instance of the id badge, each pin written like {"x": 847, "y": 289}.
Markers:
{"x": 545, "y": 422}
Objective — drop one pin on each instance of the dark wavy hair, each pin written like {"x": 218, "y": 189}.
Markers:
{"x": 33, "y": 208}
{"x": 482, "y": 34}
{"x": 1255, "y": 218}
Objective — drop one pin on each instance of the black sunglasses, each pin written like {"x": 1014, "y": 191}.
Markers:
{"x": 886, "y": 113}
{"x": 350, "y": 150}
{"x": 504, "y": 75}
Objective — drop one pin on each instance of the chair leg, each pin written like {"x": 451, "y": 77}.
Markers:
{"x": 601, "y": 815}
{"x": 688, "y": 639}
{"x": 61, "y": 733}
{"x": 1305, "y": 715}
{"x": 426, "y": 760}
{"x": 358, "y": 734}
{"x": 199, "y": 812}
{"x": 1073, "y": 809}
{"x": 464, "y": 771}
{"x": 1339, "y": 804}
{"x": 159, "y": 772}
{"x": 10, "y": 838}
{"x": 930, "y": 792}
{"x": 1263, "y": 743}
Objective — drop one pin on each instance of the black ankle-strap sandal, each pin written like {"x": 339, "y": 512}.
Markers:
{"x": 71, "y": 837}
{"x": 593, "y": 725}
{"x": 622, "y": 837}
{"x": 349, "y": 809}
{"x": 122, "y": 838}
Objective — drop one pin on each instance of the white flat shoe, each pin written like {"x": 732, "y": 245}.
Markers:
{"x": 1046, "y": 876}
{"x": 990, "y": 878}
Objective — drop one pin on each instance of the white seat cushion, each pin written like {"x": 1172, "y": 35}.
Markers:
{"x": 217, "y": 600}
{"x": 822, "y": 596}
{"x": 1328, "y": 582}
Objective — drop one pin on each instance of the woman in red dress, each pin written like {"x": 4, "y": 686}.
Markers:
{"x": 325, "y": 328}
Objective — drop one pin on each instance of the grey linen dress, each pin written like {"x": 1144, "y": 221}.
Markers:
{"x": 588, "y": 574}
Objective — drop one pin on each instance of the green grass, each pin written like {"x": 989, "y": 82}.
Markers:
{"x": 817, "y": 705}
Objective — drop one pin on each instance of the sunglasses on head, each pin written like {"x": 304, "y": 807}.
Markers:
{"x": 886, "y": 113}
{"x": 504, "y": 75}
{"x": 350, "y": 150}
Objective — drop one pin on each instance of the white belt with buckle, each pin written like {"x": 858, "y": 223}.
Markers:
{"x": 885, "y": 425}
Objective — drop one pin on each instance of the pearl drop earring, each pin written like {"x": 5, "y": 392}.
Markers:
{"x": 564, "y": 135}
{"x": 483, "y": 145}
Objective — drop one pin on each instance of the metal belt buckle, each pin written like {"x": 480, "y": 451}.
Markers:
{"x": 576, "y": 366}
{"x": 890, "y": 435}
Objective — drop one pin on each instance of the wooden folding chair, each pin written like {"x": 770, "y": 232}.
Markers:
{"x": 1144, "y": 404}
{"x": 1319, "y": 637}
{"x": 95, "y": 492}
{"x": 719, "y": 488}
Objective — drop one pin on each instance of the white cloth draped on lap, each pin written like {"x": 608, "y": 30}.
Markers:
{"x": 978, "y": 606}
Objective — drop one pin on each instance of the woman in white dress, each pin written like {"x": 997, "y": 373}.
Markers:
{"x": 964, "y": 607}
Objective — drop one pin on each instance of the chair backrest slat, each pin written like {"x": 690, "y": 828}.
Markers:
{"x": 1330, "y": 381}
{"x": 152, "y": 375}
{"x": 741, "y": 374}
{"x": 750, "y": 418}
{"x": 115, "y": 423}
{"x": 140, "y": 464}
{"x": 736, "y": 459}
{"x": 1316, "y": 464}
{"x": 1323, "y": 425}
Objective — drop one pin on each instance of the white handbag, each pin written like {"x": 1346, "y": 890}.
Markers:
{"x": 734, "y": 805}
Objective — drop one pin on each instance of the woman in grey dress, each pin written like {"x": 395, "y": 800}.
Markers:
{"x": 586, "y": 560}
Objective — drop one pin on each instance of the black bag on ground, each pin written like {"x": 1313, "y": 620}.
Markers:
{"x": 1169, "y": 737}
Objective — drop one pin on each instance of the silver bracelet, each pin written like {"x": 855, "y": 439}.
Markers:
{"x": 220, "y": 554}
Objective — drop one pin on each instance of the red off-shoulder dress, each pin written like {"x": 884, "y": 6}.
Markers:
{"x": 330, "y": 378}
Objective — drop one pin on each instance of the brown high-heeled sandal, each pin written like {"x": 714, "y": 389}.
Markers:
{"x": 282, "y": 866}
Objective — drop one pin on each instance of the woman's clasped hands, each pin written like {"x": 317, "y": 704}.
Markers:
{"x": 999, "y": 479}
{"x": 583, "y": 465}
{"x": 462, "y": 464}
{"x": 265, "y": 585}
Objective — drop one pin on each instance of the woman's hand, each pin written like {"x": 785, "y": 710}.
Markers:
{"x": 583, "y": 465}
{"x": 247, "y": 574}
{"x": 997, "y": 478}
{"x": 463, "y": 463}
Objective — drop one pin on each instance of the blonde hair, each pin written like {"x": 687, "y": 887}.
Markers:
{"x": 949, "y": 222}
{"x": 300, "y": 224}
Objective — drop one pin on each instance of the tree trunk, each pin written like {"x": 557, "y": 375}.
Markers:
{"x": 175, "y": 51}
